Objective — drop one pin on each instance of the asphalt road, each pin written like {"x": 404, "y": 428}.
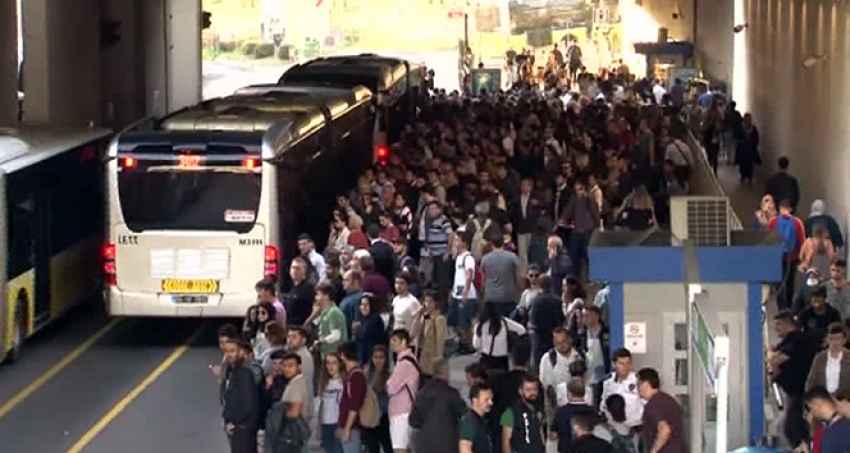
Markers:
{"x": 137, "y": 386}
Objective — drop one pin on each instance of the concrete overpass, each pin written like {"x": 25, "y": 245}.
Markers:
{"x": 156, "y": 67}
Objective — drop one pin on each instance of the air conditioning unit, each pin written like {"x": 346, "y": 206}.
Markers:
{"x": 704, "y": 220}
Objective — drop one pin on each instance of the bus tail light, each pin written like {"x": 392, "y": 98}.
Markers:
{"x": 109, "y": 264}
{"x": 251, "y": 163}
{"x": 271, "y": 265}
{"x": 128, "y": 162}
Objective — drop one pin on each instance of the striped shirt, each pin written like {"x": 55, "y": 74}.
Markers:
{"x": 435, "y": 235}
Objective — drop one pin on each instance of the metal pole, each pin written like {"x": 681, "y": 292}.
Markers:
{"x": 465, "y": 32}
{"x": 695, "y": 390}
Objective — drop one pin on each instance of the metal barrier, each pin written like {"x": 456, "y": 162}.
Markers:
{"x": 704, "y": 181}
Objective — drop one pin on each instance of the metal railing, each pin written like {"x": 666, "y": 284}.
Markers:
{"x": 705, "y": 182}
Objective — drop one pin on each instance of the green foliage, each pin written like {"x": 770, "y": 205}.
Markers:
{"x": 248, "y": 47}
{"x": 264, "y": 50}
{"x": 227, "y": 46}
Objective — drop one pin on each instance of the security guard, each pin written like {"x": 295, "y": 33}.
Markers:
{"x": 624, "y": 383}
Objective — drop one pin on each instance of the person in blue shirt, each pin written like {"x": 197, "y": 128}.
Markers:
{"x": 350, "y": 304}
{"x": 836, "y": 431}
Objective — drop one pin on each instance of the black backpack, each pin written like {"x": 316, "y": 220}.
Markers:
{"x": 422, "y": 377}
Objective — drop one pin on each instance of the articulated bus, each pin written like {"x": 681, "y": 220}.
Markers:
{"x": 51, "y": 192}
{"x": 207, "y": 200}
{"x": 399, "y": 87}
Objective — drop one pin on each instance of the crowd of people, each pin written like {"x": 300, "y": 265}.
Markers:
{"x": 472, "y": 239}
{"x": 810, "y": 364}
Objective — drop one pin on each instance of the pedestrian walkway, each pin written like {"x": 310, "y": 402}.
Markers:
{"x": 744, "y": 199}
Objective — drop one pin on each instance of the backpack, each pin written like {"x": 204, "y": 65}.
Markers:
{"x": 477, "y": 275}
{"x": 787, "y": 228}
{"x": 553, "y": 356}
{"x": 477, "y": 246}
{"x": 419, "y": 372}
{"x": 370, "y": 413}
{"x": 619, "y": 442}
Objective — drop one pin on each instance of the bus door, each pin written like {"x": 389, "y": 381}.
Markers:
{"x": 41, "y": 256}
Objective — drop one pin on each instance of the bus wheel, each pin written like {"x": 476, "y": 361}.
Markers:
{"x": 19, "y": 330}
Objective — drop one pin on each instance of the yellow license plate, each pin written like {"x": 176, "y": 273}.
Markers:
{"x": 182, "y": 286}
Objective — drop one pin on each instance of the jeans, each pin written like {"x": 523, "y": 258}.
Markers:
{"x": 461, "y": 315}
{"x": 329, "y": 441}
{"x": 378, "y": 438}
{"x": 353, "y": 444}
{"x": 578, "y": 244}
{"x": 785, "y": 295}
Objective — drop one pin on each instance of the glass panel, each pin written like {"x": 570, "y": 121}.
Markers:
{"x": 158, "y": 195}
{"x": 680, "y": 334}
{"x": 682, "y": 372}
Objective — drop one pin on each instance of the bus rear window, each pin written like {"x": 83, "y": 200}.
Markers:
{"x": 178, "y": 195}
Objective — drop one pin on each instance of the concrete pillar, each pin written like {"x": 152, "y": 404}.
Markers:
{"x": 183, "y": 61}
{"x": 153, "y": 18}
{"x": 8, "y": 63}
{"x": 62, "y": 55}
{"x": 122, "y": 65}
{"x": 715, "y": 39}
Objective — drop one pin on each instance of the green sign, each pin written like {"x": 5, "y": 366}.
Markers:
{"x": 486, "y": 79}
{"x": 703, "y": 341}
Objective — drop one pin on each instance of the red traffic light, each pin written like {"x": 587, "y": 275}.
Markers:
{"x": 382, "y": 152}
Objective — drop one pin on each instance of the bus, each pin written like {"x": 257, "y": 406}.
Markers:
{"x": 399, "y": 87}
{"x": 51, "y": 188}
{"x": 206, "y": 201}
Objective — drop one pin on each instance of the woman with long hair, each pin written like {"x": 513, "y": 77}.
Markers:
{"x": 378, "y": 373}
{"x": 330, "y": 391}
{"x": 491, "y": 337}
{"x": 573, "y": 297}
{"x": 817, "y": 253}
{"x": 638, "y": 210}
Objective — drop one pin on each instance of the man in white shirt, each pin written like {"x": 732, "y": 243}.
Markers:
{"x": 308, "y": 250}
{"x": 296, "y": 341}
{"x": 679, "y": 152}
{"x": 405, "y": 305}
{"x": 623, "y": 381}
{"x": 464, "y": 296}
{"x": 658, "y": 92}
{"x": 555, "y": 365}
{"x": 831, "y": 367}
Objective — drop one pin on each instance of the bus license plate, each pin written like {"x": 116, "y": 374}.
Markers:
{"x": 189, "y": 299}
{"x": 184, "y": 286}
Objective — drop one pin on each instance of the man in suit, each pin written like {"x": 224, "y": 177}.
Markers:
{"x": 382, "y": 253}
{"x": 831, "y": 367}
{"x": 525, "y": 212}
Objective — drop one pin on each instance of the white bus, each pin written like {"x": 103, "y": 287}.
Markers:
{"x": 208, "y": 200}
{"x": 398, "y": 84}
{"x": 51, "y": 218}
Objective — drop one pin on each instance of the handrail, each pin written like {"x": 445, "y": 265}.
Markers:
{"x": 703, "y": 177}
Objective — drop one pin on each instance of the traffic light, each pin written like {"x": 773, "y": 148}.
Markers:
{"x": 205, "y": 20}
{"x": 383, "y": 155}
{"x": 109, "y": 32}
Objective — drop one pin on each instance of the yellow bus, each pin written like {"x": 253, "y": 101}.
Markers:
{"x": 51, "y": 217}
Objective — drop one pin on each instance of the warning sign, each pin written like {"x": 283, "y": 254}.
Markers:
{"x": 635, "y": 336}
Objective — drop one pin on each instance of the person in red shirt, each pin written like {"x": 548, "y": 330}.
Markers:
{"x": 351, "y": 400}
{"x": 793, "y": 233}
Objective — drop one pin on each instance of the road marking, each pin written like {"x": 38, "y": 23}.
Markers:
{"x": 119, "y": 407}
{"x": 8, "y": 406}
